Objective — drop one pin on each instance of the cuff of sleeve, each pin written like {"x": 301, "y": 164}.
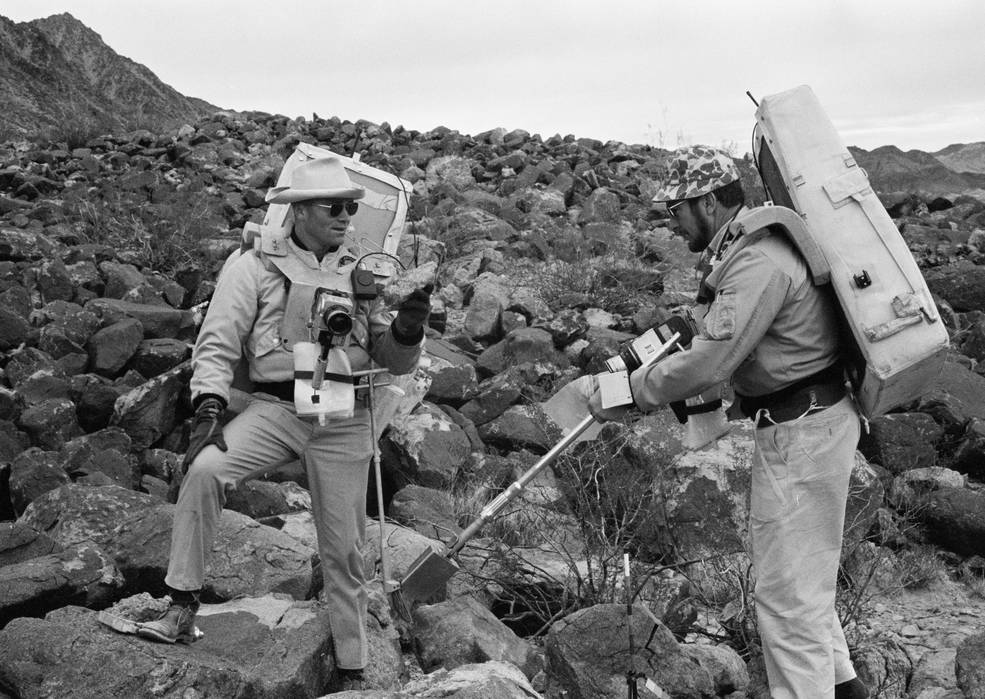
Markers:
{"x": 636, "y": 391}
{"x": 197, "y": 400}
{"x": 408, "y": 339}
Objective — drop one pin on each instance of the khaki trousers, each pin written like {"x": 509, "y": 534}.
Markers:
{"x": 800, "y": 477}
{"x": 336, "y": 458}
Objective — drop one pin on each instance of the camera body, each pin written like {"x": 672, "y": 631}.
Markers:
{"x": 635, "y": 353}
{"x": 331, "y": 316}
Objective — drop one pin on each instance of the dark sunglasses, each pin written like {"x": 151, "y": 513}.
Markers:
{"x": 335, "y": 208}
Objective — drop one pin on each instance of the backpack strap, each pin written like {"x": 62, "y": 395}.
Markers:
{"x": 794, "y": 227}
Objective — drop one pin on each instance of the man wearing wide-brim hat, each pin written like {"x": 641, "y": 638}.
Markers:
{"x": 290, "y": 420}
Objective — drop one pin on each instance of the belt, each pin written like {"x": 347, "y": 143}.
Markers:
{"x": 809, "y": 395}
{"x": 285, "y": 389}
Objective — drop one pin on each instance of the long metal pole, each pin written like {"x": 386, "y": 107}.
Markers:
{"x": 500, "y": 501}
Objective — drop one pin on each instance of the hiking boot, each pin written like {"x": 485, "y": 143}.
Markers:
{"x": 351, "y": 680}
{"x": 175, "y": 625}
{"x": 852, "y": 689}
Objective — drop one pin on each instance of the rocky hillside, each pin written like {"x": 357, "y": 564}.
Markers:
{"x": 547, "y": 256}
{"x": 56, "y": 73}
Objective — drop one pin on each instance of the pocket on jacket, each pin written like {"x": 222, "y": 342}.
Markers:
{"x": 263, "y": 344}
{"x": 720, "y": 321}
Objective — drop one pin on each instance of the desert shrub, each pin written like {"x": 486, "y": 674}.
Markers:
{"x": 617, "y": 282}
{"x": 604, "y": 514}
{"x": 724, "y": 588}
{"x": 919, "y": 567}
{"x": 163, "y": 235}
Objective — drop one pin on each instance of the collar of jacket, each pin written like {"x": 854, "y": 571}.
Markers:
{"x": 715, "y": 253}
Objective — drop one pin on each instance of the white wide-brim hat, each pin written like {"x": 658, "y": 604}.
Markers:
{"x": 321, "y": 178}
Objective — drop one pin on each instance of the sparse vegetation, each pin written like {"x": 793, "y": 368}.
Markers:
{"x": 584, "y": 545}
{"x": 162, "y": 236}
{"x": 617, "y": 281}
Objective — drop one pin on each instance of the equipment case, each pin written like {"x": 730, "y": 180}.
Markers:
{"x": 900, "y": 340}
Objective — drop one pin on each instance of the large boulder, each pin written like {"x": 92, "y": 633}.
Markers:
{"x": 902, "y": 441}
{"x": 426, "y": 447}
{"x": 520, "y": 427}
{"x": 14, "y": 329}
{"x": 135, "y": 530}
{"x": 20, "y": 542}
{"x": 264, "y": 647}
{"x": 954, "y": 518}
{"x": 490, "y": 680}
{"x": 956, "y": 397}
{"x": 962, "y": 285}
{"x": 588, "y": 655}
{"x": 969, "y": 457}
{"x": 51, "y": 423}
{"x": 32, "y": 474}
{"x": 112, "y": 347}
{"x": 494, "y": 396}
{"x": 523, "y": 345}
{"x": 970, "y": 666}
{"x": 156, "y": 320}
{"x": 80, "y": 574}
{"x": 462, "y": 631}
{"x": 884, "y": 663}
{"x": 148, "y": 412}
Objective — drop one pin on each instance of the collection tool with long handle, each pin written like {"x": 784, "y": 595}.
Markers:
{"x": 431, "y": 570}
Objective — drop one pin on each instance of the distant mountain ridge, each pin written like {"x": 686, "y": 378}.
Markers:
{"x": 955, "y": 170}
{"x": 56, "y": 72}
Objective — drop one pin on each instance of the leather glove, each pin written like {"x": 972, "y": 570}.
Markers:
{"x": 206, "y": 430}
{"x": 413, "y": 311}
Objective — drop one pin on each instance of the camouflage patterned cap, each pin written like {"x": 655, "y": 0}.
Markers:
{"x": 695, "y": 171}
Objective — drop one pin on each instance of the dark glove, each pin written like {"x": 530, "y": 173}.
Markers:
{"x": 206, "y": 430}
{"x": 413, "y": 311}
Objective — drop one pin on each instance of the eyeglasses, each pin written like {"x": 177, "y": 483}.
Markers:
{"x": 336, "y": 207}
{"x": 670, "y": 209}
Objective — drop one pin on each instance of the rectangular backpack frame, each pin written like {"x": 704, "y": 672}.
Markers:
{"x": 897, "y": 340}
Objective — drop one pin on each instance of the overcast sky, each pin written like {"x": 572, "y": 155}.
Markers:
{"x": 909, "y": 73}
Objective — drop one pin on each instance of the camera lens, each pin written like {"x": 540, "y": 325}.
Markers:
{"x": 337, "y": 321}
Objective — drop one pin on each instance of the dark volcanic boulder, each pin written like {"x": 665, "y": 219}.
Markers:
{"x": 268, "y": 647}
{"x": 462, "y": 631}
{"x": 969, "y": 666}
{"x": 955, "y": 519}
{"x": 135, "y": 530}
{"x": 588, "y": 655}
{"x": 902, "y": 441}
{"x": 80, "y": 574}
{"x": 961, "y": 285}
{"x": 957, "y": 396}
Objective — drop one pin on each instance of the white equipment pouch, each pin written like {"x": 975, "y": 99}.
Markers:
{"x": 322, "y": 389}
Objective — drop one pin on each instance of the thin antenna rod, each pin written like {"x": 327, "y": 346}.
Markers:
{"x": 753, "y": 99}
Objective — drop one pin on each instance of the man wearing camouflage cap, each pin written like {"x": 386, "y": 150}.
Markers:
{"x": 774, "y": 335}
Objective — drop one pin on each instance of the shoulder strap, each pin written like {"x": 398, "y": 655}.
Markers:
{"x": 791, "y": 224}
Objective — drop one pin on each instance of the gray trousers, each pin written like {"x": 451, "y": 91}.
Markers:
{"x": 800, "y": 475}
{"x": 336, "y": 458}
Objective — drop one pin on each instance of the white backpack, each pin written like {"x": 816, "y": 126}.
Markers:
{"x": 898, "y": 336}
